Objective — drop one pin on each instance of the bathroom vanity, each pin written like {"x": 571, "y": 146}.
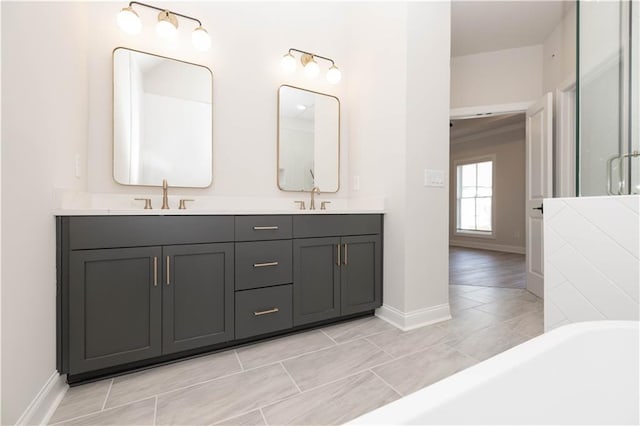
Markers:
{"x": 137, "y": 290}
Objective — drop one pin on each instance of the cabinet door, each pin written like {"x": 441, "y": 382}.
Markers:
{"x": 114, "y": 307}
{"x": 361, "y": 282}
{"x": 197, "y": 296}
{"x": 316, "y": 280}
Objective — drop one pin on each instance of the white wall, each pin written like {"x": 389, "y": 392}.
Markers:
{"x": 591, "y": 259}
{"x": 509, "y": 184}
{"x": 44, "y": 106}
{"x": 498, "y": 77}
{"x": 399, "y": 127}
{"x": 377, "y": 130}
{"x": 559, "y": 53}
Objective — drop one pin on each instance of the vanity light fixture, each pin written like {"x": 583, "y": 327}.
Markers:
{"x": 167, "y": 26}
{"x": 310, "y": 65}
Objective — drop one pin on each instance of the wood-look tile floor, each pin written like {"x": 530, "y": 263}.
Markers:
{"x": 486, "y": 268}
{"x": 324, "y": 376}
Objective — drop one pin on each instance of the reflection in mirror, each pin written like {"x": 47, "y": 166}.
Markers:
{"x": 162, "y": 121}
{"x": 308, "y": 140}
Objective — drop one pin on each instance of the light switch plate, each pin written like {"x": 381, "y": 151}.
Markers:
{"x": 433, "y": 178}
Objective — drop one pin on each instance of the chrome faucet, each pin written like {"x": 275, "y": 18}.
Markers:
{"x": 165, "y": 195}
{"x": 315, "y": 190}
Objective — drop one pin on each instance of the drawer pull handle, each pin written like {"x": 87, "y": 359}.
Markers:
{"x": 262, "y": 265}
{"x": 338, "y": 258}
{"x": 269, "y": 311}
{"x": 265, "y": 228}
{"x": 155, "y": 271}
{"x": 346, "y": 254}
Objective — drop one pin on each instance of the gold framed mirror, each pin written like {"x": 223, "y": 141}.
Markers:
{"x": 162, "y": 121}
{"x": 308, "y": 140}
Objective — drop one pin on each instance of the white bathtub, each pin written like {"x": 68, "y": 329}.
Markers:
{"x": 583, "y": 373}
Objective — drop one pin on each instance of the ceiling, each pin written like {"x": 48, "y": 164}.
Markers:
{"x": 494, "y": 127}
{"x": 483, "y": 26}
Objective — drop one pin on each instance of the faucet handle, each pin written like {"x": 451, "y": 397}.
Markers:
{"x": 302, "y": 205}
{"x": 323, "y": 205}
{"x": 147, "y": 202}
{"x": 183, "y": 205}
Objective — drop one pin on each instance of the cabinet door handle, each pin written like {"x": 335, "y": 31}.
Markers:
{"x": 268, "y": 311}
{"x": 168, "y": 270}
{"x": 155, "y": 271}
{"x": 262, "y": 265}
{"x": 265, "y": 228}
{"x": 346, "y": 253}
{"x": 338, "y": 258}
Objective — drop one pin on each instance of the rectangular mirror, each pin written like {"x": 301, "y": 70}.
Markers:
{"x": 308, "y": 140}
{"x": 162, "y": 121}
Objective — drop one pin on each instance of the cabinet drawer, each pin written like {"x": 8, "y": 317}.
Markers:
{"x": 256, "y": 228}
{"x": 331, "y": 225}
{"x": 263, "y": 263}
{"x": 263, "y": 310}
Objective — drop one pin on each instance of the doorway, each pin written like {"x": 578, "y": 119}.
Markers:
{"x": 487, "y": 201}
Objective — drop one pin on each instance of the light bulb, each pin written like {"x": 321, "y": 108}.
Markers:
{"x": 200, "y": 39}
{"x": 129, "y": 21}
{"x": 288, "y": 63}
{"x": 334, "y": 75}
{"x": 312, "y": 69}
{"x": 167, "y": 26}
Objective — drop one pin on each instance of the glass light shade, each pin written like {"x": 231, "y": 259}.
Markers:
{"x": 129, "y": 21}
{"x": 165, "y": 28}
{"x": 312, "y": 69}
{"x": 288, "y": 63}
{"x": 200, "y": 39}
{"x": 334, "y": 75}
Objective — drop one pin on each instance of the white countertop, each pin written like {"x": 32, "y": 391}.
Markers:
{"x": 202, "y": 212}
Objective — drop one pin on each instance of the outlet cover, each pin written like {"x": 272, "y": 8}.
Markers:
{"x": 433, "y": 178}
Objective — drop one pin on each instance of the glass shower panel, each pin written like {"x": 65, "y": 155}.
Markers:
{"x": 606, "y": 127}
{"x": 634, "y": 161}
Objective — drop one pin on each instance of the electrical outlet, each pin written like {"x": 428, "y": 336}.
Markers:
{"x": 433, "y": 178}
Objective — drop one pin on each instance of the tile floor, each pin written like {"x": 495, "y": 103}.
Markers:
{"x": 323, "y": 376}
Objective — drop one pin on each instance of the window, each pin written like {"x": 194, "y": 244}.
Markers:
{"x": 475, "y": 197}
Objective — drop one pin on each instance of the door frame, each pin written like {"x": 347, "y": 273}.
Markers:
{"x": 565, "y": 138}
{"x": 486, "y": 110}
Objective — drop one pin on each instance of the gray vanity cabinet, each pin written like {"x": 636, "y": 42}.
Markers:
{"x": 316, "y": 280}
{"x": 133, "y": 291}
{"x": 337, "y": 266}
{"x": 360, "y": 274}
{"x": 114, "y": 307}
{"x": 197, "y": 296}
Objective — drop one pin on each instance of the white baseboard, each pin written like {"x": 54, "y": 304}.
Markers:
{"x": 46, "y": 401}
{"x": 487, "y": 246}
{"x": 406, "y": 321}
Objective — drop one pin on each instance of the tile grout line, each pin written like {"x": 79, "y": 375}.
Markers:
{"x": 290, "y": 377}
{"x": 238, "y": 358}
{"x": 104, "y": 404}
{"x": 386, "y": 383}
{"x": 155, "y": 411}
{"x": 101, "y": 411}
{"x": 263, "y": 416}
{"x": 331, "y": 338}
{"x": 374, "y": 344}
